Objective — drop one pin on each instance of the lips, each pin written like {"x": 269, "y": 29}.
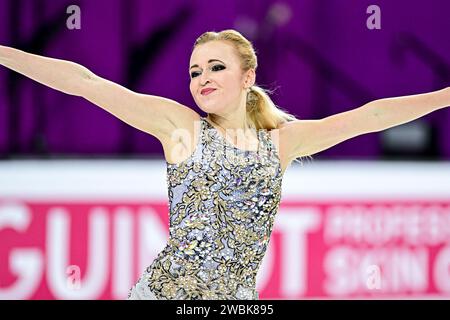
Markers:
{"x": 207, "y": 91}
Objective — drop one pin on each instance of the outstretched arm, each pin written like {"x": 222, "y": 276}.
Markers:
{"x": 155, "y": 115}
{"x": 306, "y": 137}
{"x": 391, "y": 112}
{"x": 62, "y": 75}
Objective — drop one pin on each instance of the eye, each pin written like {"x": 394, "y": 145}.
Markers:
{"x": 216, "y": 67}
{"x": 220, "y": 67}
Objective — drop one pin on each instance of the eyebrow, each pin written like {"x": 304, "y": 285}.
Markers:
{"x": 209, "y": 61}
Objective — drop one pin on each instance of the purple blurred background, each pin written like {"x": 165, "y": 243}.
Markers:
{"x": 319, "y": 56}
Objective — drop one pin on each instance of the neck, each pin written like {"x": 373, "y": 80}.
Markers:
{"x": 226, "y": 124}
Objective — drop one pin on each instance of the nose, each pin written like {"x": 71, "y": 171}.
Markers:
{"x": 204, "y": 76}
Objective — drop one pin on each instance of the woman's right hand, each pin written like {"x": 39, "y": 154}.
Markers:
{"x": 3, "y": 51}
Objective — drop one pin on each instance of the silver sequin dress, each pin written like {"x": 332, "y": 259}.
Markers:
{"x": 222, "y": 203}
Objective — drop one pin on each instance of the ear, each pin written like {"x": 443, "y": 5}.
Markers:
{"x": 250, "y": 78}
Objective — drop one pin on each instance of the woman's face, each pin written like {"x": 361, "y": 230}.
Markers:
{"x": 215, "y": 65}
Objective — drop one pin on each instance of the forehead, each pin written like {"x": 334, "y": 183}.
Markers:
{"x": 212, "y": 50}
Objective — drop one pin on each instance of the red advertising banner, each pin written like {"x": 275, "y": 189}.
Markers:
{"x": 318, "y": 249}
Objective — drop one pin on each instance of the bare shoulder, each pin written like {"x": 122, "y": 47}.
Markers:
{"x": 181, "y": 139}
{"x": 278, "y": 137}
{"x": 287, "y": 137}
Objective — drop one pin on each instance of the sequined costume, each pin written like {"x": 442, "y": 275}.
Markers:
{"x": 222, "y": 201}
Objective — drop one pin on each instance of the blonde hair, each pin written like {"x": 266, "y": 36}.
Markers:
{"x": 261, "y": 110}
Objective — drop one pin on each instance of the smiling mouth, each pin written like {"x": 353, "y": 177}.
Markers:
{"x": 208, "y": 92}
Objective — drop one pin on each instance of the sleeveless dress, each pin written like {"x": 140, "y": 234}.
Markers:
{"x": 222, "y": 205}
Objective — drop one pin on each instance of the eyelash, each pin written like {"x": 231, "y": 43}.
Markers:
{"x": 217, "y": 65}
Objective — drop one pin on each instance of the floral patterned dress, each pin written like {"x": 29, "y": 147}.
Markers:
{"x": 223, "y": 201}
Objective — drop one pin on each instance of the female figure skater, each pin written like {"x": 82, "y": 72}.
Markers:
{"x": 224, "y": 177}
